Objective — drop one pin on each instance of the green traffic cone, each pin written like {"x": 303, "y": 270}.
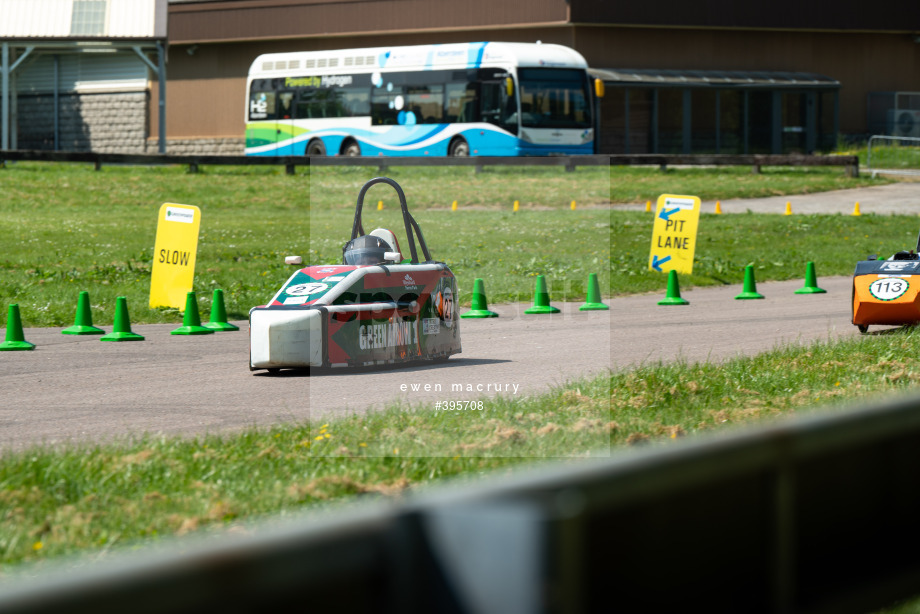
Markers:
{"x": 121, "y": 329}
{"x": 750, "y": 286}
{"x": 479, "y": 307}
{"x": 541, "y": 298}
{"x": 593, "y": 300}
{"x": 191, "y": 321}
{"x": 673, "y": 295}
{"x": 83, "y": 322}
{"x": 811, "y": 281}
{"x": 15, "y": 340}
{"x": 219, "y": 314}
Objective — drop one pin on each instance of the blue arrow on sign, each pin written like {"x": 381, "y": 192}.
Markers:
{"x": 666, "y": 214}
{"x": 656, "y": 263}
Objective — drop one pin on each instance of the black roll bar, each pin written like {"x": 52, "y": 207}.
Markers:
{"x": 357, "y": 228}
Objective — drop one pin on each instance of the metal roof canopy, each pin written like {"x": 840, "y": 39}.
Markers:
{"x": 713, "y": 78}
{"x": 34, "y": 27}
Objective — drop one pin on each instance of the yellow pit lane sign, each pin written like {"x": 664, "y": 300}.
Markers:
{"x": 174, "y": 254}
{"x": 674, "y": 234}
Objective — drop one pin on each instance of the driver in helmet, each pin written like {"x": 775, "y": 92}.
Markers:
{"x": 365, "y": 250}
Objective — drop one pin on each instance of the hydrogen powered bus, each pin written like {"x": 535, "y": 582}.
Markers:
{"x": 480, "y": 99}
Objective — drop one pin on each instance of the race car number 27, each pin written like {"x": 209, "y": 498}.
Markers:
{"x": 888, "y": 289}
{"x": 305, "y": 289}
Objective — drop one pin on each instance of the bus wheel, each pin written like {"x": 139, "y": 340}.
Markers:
{"x": 351, "y": 148}
{"x": 316, "y": 148}
{"x": 458, "y": 147}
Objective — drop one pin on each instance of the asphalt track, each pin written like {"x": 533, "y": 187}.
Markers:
{"x": 78, "y": 389}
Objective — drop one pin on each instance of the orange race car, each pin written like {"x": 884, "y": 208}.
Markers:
{"x": 887, "y": 291}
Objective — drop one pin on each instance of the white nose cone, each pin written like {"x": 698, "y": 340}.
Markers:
{"x": 293, "y": 260}
{"x": 286, "y": 338}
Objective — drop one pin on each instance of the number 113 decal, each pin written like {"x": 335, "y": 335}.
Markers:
{"x": 888, "y": 288}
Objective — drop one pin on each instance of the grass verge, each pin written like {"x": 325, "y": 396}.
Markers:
{"x": 67, "y": 228}
{"x": 887, "y": 155}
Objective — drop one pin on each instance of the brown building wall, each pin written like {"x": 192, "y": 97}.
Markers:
{"x": 279, "y": 19}
{"x": 843, "y": 15}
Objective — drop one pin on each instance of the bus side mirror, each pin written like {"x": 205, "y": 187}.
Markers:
{"x": 509, "y": 86}
{"x": 599, "y": 88}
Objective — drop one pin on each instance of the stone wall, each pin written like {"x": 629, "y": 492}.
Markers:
{"x": 105, "y": 123}
{"x": 228, "y": 146}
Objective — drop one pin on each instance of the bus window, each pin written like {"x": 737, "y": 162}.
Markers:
{"x": 426, "y": 102}
{"x": 355, "y": 102}
{"x": 554, "y": 98}
{"x": 497, "y": 106}
{"x": 461, "y": 103}
{"x": 315, "y": 103}
{"x": 339, "y": 102}
{"x": 385, "y": 106}
{"x": 286, "y": 106}
{"x": 261, "y": 105}
{"x": 303, "y": 110}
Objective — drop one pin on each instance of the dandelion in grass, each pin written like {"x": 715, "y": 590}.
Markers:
{"x": 37, "y": 546}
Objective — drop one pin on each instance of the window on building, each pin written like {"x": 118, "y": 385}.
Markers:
{"x": 731, "y": 122}
{"x": 88, "y": 18}
{"x": 794, "y": 117}
{"x": 704, "y": 121}
{"x": 670, "y": 120}
{"x": 640, "y": 120}
{"x": 827, "y": 133}
{"x": 760, "y": 122}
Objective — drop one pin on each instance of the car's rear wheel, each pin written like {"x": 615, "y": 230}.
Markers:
{"x": 351, "y": 148}
{"x": 458, "y": 148}
{"x": 316, "y": 148}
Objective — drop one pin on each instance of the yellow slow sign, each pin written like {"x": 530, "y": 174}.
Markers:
{"x": 174, "y": 251}
{"x": 674, "y": 234}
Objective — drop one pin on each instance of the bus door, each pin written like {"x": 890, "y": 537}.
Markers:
{"x": 498, "y": 102}
{"x": 284, "y": 123}
{"x": 269, "y": 116}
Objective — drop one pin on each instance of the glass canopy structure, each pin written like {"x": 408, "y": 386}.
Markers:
{"x": 717, "y": 112}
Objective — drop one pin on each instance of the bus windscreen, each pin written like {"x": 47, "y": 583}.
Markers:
{"x": 554, "y": 98}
